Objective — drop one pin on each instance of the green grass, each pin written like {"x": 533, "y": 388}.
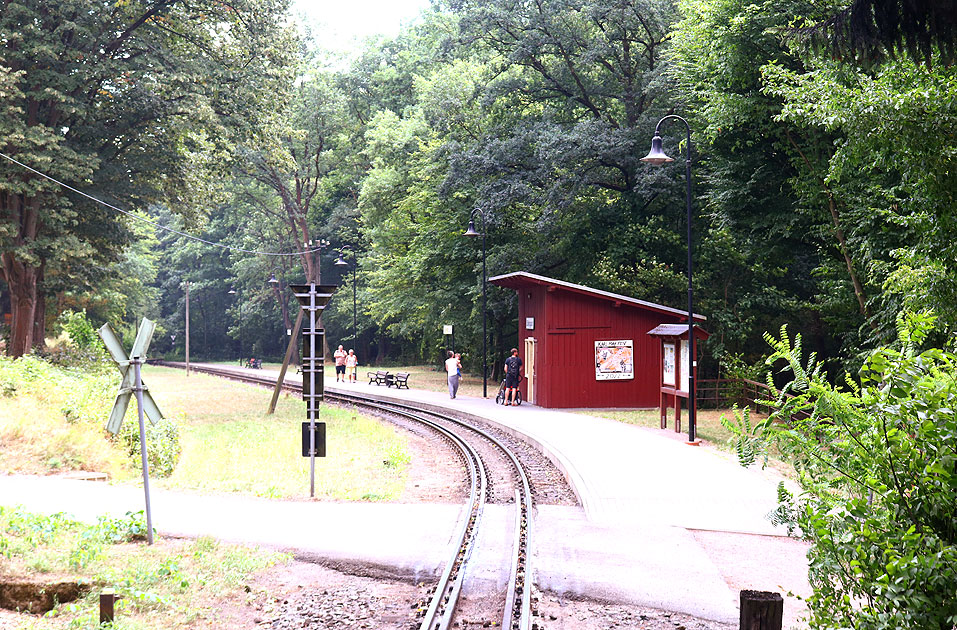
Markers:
{"x": 230, "y": 444}
{"x": 708, "y": 421}
{"x": 171, "y": 584}
{"x": 48, "y": 423}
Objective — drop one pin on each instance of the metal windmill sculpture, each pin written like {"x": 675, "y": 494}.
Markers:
{"x": 132, "y": 383}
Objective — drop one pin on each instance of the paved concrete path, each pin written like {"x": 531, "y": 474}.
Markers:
{"x": 641, "y": 491}
{"x": 625, "y": 474}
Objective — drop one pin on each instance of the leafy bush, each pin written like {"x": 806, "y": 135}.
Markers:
{"x": 39, "y": 377}
{"x": 79, "y": 347}
{"x": 107, "y": 531}
{"x": 79, "y": 329}
{"x": 877, "y": 462}
{"x": 35, "y": 529}
{"x": 163, "y": 448}
{"x": 746, "y": 437}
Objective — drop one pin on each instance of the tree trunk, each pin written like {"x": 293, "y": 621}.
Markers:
{"x": 383, "y": 347}
{"x": 202, "y": 312}
{"x": 839, "y": 235}
{"x": 22, "y": 278}
{"x": 40, "y": 316}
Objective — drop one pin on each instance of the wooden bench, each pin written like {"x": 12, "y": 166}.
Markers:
{"x": 379, "y": 378}
{"x": 400, "y": 380}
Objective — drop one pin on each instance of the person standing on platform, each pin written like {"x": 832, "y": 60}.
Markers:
{"x": 453, "y": 366}
{"x": 513, "y": 366}
{"x": 340, "y": 356}
{"x": 351, "y": 362}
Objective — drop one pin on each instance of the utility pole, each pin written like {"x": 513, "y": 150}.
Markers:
{"x": 187, "y": 328}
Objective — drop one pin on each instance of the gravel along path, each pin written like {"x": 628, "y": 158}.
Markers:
{"x": 302, "y": 595}
{"x": 438, "y": 475}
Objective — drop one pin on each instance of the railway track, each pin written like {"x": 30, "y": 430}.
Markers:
{"x": 475, "y": 446}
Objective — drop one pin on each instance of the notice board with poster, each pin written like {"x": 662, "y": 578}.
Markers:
{"x": 685, "y": 364}
{"x": 668, "y": 364}
{"x": 676, "y": 367}
{"x": 614, "y": 360}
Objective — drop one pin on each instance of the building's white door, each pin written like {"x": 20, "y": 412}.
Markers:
{"x": 530, "y": 343}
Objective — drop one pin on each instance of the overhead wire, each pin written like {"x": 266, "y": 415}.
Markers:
{"x": 137, "y": 217}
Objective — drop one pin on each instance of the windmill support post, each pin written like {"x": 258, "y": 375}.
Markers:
{"x": 138, "y": 388}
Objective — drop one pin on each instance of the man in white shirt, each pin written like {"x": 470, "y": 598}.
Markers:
{"x": 340, "y": 357}
{"x": 452, "y": 366}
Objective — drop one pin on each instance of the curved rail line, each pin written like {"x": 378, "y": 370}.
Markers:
{"x": 439, "y": 613}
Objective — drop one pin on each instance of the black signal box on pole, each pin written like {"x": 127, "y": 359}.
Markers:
{"x": 320, "y": 439}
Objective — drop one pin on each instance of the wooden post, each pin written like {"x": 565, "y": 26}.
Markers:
{"x": 285, "y": 363}
{"x": 107, "y": 599}
{"x": 761, "y": 610}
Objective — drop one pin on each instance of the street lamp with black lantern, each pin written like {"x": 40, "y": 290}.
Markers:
{"x": 472, "y": 233}
{"x": 355, "y": 266}
{"x": 658, "y": 157}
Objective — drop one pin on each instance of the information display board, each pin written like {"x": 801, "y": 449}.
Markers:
{"x": 685, "y": 364}
{"x": 668, "y": 365}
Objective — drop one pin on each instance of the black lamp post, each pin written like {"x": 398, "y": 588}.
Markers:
{"x": 355, "y": 265}
{"x": 658, "y": 157}
{"x": 236, "y": 293}
{"x": 472, "y": 233}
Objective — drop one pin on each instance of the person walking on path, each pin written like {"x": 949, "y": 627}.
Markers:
{"x": 340, "y": 356}
{"x": 513, "y": 365}
{"x": 351, "y": 362}
{"x": 453, "y": 366}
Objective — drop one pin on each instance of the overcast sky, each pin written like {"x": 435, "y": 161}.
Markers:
{"x": 341, "y": 22}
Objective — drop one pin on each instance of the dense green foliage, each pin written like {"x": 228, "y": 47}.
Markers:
{"x": 823, "y": 190}
{"x": 134, "y": 101}
{"x": 877, "y": 463}
{"x": 81, "y": 387}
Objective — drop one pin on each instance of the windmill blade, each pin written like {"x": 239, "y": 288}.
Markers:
{"x": 150, "y": 408}
{"x": 143, "y": 337}
{"x": 113, "y": 346}
{"x": 118, "y": 412}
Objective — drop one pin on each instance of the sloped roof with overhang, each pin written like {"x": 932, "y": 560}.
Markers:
{"x": 678, "y": 330}
{"x": 523, "y": 279}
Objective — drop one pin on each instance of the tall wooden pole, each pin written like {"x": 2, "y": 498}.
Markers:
{"x": 285, "y": 363}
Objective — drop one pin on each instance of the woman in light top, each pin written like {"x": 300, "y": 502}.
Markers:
{"x": 351, "y": 362}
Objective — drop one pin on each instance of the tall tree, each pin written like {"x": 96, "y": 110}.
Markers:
{"x": 140, "y": 99}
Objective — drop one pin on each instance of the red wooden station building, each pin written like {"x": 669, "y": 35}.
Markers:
{"x": 583, "y": 347}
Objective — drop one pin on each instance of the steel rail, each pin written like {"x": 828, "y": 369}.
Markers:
{"x": 438, "y": 615}
{"x": 517, "y": 614}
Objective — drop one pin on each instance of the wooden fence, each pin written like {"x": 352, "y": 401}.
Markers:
{"x": 721, "y": 393}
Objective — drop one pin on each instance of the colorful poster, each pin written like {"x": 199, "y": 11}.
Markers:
{"x": 614, "y": 360}
{"x": 685, "y": 363}
{"x": 668, "y": 366}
